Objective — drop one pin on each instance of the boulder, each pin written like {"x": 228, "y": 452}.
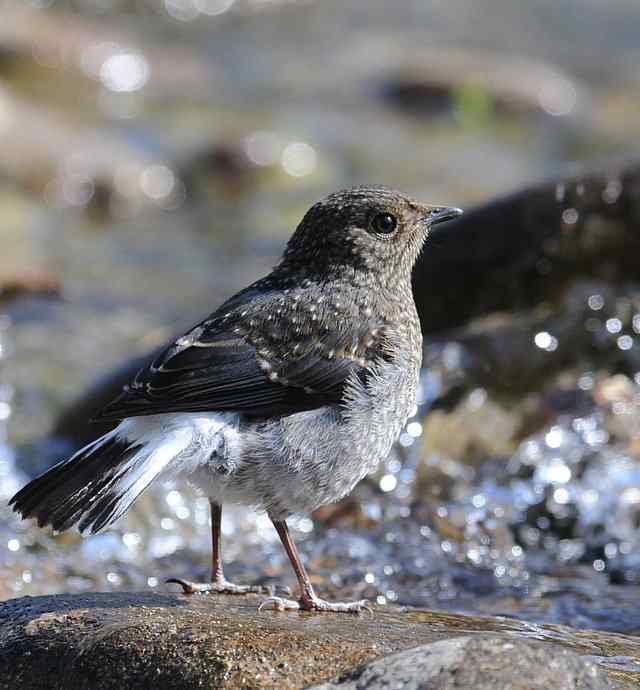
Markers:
{"x": 476, "y": 663}
{"x": 105, "y": 641}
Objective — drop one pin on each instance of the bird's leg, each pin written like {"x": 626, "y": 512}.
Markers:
{"x": 218, "y": 582}
{"x": 309, "y": 600}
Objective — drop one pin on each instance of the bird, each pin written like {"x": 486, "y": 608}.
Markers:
{"x": 282, "y": 399}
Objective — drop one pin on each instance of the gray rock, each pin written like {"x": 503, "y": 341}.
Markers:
{"x": 167, "y": 641}
{"x": 476, "y": 663}
{"x": 515, "y": 251}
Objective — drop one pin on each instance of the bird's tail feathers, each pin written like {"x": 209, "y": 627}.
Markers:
{"x": 94, "y": 487}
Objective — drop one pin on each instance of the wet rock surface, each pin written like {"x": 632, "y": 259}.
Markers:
{"x": 144, "y": 640}
{"x": 528, "y": 247}
{"x": 492, "y": 663}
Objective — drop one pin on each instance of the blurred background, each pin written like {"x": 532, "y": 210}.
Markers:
{"x": 155, "y": 155}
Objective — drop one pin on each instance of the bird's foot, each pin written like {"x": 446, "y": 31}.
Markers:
{"x": 315, "y": 604}
{"x": 220, "y": 586}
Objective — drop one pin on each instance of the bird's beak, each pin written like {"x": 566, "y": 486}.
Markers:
{"x": 439, "y": 214}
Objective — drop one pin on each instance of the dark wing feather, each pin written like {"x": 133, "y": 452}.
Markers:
{"x": 246, "y": 360}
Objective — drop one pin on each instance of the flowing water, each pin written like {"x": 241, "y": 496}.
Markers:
{"x": 158, "y": 154}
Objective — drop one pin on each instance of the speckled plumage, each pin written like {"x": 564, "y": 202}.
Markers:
{"x": 287, "y": 395}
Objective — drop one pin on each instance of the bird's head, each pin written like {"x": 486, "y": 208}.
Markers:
{"x": 363, "y": 230}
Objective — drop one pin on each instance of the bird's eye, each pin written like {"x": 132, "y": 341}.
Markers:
{"x": 383, "y": 223}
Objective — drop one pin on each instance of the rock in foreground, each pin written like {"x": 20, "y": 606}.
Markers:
{"x": 481, "y": 663}
{"x": 149, "y": 640}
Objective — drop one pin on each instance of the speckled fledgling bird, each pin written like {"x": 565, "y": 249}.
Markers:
{"x": 282, "y": 399}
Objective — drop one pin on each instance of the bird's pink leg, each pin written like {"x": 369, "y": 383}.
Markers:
{"x": 309, "y": 600}
{"x": 219, "y": 583}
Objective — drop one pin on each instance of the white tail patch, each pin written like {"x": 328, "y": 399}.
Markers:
{"x": 99, "y": 483}
{"x": 171, "y": 445}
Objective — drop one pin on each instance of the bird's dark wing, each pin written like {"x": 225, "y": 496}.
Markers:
{"x": 262, "y": 357}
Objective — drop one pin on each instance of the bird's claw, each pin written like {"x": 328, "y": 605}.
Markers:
{"x": 316, "y": 604}
{"x": 220, "y": 587}
{"x": 279, "y": 604}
